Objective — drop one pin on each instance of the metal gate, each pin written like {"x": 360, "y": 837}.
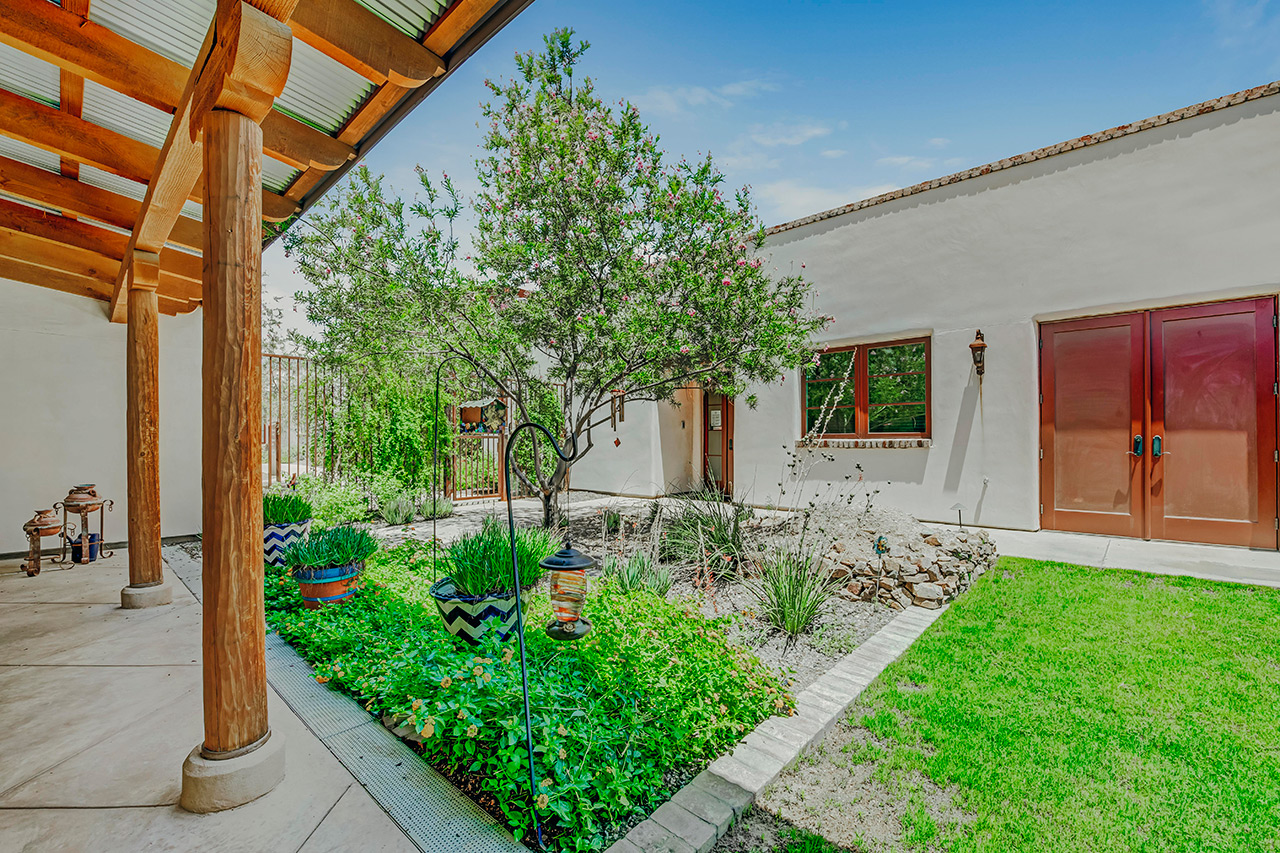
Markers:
{"x": 477, "y": 459}
{"x": 289, "y": 429}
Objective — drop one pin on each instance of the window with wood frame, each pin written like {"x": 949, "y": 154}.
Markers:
{"x": 869, "y": 391}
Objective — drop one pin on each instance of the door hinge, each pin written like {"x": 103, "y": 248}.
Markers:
{"x": 1042, "y": 343}
{"x": 1042, "y": 453}
{"x": 1042, "y": 399}
{"x": 1042, "y": 509}
{"x": 1275, "y": 321}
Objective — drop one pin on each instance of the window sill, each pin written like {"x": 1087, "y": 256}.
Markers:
{"x": 866, "y": 443}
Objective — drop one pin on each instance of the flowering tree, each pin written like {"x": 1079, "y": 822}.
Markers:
{"x": 597, "y": 266}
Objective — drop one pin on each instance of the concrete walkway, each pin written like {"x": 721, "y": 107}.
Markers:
{"x": 98, "y": 708}
{"x": 1210, "y": 562}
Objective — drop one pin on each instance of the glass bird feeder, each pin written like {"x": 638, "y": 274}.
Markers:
{"x": 568, "y": 568}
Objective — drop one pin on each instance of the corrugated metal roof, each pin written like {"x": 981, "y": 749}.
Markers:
{"x": 25, "y": 75}
{"x": 125, "y": 187}
{"x": 134, "y": 119}
{"x": 320, "y": 91}
{"x": 411, "y": 17}
{"x": 15, "y": 150}
{"x": 276, "y": 175}
{"x": 174, "y": 30}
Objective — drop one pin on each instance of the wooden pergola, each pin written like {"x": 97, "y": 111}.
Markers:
{"x": 101, "y": 212}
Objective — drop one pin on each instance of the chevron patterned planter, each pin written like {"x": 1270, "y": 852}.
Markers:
{"x": 277, "y": 537}
{"x": 471, "y": 616}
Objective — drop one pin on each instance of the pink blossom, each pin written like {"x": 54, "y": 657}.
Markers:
{"x": 727, "y": 282}
{"x": 684, "y": 349}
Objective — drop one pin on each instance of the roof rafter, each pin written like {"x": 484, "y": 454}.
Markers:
{"x": 349, "y": 33}
{"x": 242, "y": 65}
{"x": 71, "y": 196}
{"x": 96, "y": 53}
{"x": 62, "y": 134}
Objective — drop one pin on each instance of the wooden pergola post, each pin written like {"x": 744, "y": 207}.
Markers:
{"x": 142, "y": 380}
{"x": 239, "y": 759}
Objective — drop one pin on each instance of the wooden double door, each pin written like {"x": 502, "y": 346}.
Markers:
{"x": 1162, "y": 424}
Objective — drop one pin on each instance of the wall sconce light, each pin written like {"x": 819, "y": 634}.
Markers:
{"x": 979, "y": 350}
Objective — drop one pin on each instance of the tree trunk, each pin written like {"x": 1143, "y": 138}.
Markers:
{"x": 550, "y": 510}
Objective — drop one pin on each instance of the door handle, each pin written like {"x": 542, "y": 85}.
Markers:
{"x": 1156, "y": 447}
{"x": 1137, "y": 446}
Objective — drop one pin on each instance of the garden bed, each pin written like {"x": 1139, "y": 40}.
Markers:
{"x": 621, "y": 718}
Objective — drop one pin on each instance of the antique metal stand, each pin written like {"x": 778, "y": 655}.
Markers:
{"x": 83, "y": 500}
{"x": 43, "y": 523}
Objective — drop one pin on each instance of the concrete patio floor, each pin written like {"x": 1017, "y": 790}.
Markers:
{"x": 98, "y": 708}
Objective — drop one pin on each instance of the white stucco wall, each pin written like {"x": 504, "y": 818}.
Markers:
{"x": 62, "y": 411}
{"x": 1185, "y": 212}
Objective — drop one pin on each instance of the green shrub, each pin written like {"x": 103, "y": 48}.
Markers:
{"x": 439, "y": 507}
{"x": 480, "y": 562}
{"x": 638, "y": 572}
{"x": 397, "y": 510}
{"x": 654, "y": 688}
{"x": 792, "y": 588}
{"x": 334, "y": 502}
{"x": 334, "y": 546}
{"x": 612, "y": 521}
{"x": 284, "y": 508}
{"x": 705, "y": 527}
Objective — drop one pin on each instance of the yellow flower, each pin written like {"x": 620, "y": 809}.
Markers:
{"x": 487, "y": 678}
{"x": 507, "y": 654}
{"x": 428, "y": 729}
{"x": 478, "y": 671}
{"x": 472, "y": 731}
{"x": 545, "y": 783}
{"x": 563, "y": 754}
{"x": 417, "y": 703}
{"x": 542, "y": 801}
{"x": 322, "y": 678}
{"x": 446, "y": 682}
{"x": 562, "y": 731}
{"x": 462, "y": 715}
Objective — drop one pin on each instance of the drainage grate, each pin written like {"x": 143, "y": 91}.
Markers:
{"x": 324, "y": 711}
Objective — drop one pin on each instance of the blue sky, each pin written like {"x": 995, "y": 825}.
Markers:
{"x": 816, "y": 104}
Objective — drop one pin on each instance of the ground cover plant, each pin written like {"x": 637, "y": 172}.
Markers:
{"x": 620, "y": 717}
{"x": 1066, "y": 708}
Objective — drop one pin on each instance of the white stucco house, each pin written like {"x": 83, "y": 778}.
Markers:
{"x": 1125, "y": 283}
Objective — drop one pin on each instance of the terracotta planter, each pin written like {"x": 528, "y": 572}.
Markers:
{"x": 83, "y": 498}
{"x": 277, "y": 537}
{"x": 472, "y": 616}
{"x": 45, "y": 523}
{"x": 321, "y": 587}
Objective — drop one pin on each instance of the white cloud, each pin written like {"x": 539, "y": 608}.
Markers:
{"x": 1245, "y": 23}
{"x": 789, "y": 199}
{"x": 678, "y": 100}
{"x": 907, "y": 162}
{"x": 939, "y": 142}
{"x": 954, "y": 162}
{"x": 787, "y": 133}
{"x": 834, "y": 153}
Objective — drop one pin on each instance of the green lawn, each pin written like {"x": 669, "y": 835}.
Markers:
{"x": 1082, "y": 709}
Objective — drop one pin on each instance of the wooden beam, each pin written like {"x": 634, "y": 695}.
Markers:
{"x": 71, "y": 102}
{"x": 54, "y": 279}
{"x": 49, "y": 188}
{"x": 350, "y": 34}
{"x": 142, "y": 439}
{"x": 96, "y": 53}
{"x": 456, "y": 22}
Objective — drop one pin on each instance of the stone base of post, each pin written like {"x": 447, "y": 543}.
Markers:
{"x": 214, "y": 785}
{"x": 138, "y": 597}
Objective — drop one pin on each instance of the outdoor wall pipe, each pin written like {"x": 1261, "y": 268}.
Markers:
{"x": 515, "y": 568}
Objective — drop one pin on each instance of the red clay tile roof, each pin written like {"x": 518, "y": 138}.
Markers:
{"x": 1040, "y": 153}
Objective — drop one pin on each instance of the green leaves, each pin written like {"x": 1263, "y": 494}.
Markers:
{"x": 480, "y": 562}
{"x": 284, "y": 509}
{"x": 334, "y": 546}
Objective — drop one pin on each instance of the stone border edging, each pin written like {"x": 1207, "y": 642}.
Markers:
{"x": 702, "y": 811}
